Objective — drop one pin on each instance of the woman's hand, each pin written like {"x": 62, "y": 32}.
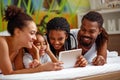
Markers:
{"x": 99, "y": 60}
{"x": 81, "y": 62}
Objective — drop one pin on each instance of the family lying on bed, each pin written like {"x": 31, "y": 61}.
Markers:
{"x": 27, "y": 51}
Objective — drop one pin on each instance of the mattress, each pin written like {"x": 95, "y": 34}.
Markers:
{"x": 111, "y": 67}
{"x": 113, "y": 64}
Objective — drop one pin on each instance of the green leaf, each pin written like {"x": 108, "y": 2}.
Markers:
{"x": 19, "y": 3}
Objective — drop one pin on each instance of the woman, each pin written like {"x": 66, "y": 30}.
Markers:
{"x": 22, "y": 30}
{"x": 58, "y": 36}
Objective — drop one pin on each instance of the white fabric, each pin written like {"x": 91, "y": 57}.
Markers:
{"x": 4, "y": 33}
{"x": 113, "y": 64}
{"x": 112, "y": 53}
{"x": 91, "y": 53}
{"x": 74, "y": 32}
{"x": 27, "y": 58}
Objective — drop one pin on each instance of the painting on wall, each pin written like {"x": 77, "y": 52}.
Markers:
{"x": 39, "y": 9}
{"x": 110, "y": 3}
{"x": 104, "y": 4}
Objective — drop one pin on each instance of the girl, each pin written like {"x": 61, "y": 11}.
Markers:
{"x": 43, "y": 47}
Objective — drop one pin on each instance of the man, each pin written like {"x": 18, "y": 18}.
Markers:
{"x": 93, "y": 38}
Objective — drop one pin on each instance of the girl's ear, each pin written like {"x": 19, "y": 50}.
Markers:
{"x": 66, "y": 35}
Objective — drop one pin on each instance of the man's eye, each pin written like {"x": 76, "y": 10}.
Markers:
{"x": 91, "y": 31}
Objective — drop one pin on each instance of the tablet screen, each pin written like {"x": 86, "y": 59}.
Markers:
{"x": 69, "y": 57}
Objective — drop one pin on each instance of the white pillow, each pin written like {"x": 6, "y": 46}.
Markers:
{"x": 4, "y": 33}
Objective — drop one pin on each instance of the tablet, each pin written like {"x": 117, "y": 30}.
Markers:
{"x": 69, "y": 57}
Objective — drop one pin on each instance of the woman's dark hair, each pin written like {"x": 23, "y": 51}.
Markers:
{"x": 16, "y": 18}
{"x": 97, "y": 17}
{"x": 59, "y": 23}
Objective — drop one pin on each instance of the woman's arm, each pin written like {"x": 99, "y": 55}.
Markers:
{"x": 19, "y": 59}
{"x": 7, "y": 68}
{"x": 5, "y": 62}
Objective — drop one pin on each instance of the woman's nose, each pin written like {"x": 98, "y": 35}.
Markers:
{"x": 34, "y": 37}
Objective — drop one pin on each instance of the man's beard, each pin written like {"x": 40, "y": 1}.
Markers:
{"x": 86, "y": 44}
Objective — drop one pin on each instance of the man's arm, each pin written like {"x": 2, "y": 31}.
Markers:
{"x": 101, "y": 57}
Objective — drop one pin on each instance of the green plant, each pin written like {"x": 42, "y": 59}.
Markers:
{"x": 45, "y": 18}
{"x": 1, "y": 14}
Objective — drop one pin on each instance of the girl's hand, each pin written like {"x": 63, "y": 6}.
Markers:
{"x": 50, "y": 66}
{"x": 51, "y": 55}
{"x": 34, "y": 63}
{"x": 34, "y": 51}
{"x": 99, "y": 60}
{"x": 81, "y": 62}
{"x": 48, "y": 47}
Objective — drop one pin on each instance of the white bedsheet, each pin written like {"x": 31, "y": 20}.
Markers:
{"x": 113, "y": 64}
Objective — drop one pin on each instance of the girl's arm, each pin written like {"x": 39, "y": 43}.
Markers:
{"x": 51, "y": 55}
{"x": 35, "y": 53}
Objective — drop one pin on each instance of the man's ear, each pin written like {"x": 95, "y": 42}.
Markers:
{"x": 100, "y": 30}
{"x": 17, "y": 31}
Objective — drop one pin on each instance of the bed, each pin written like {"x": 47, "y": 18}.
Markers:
{"x": 110, "y": 71}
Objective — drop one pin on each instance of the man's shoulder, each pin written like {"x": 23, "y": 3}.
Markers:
{"x": 74, "y": 31}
